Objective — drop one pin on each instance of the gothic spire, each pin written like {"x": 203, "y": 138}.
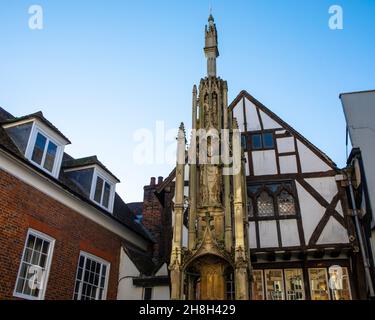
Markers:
{"x": 211, "y": 50}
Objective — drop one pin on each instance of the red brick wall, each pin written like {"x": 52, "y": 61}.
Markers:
{"x": 23, "y": 207}
{"x": 152, "y": 213}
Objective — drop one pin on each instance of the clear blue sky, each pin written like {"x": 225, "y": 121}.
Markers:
{"x": 99, "y": 70}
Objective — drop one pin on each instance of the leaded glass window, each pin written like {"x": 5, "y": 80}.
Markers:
{"x": 265, "y": 205}
{"x": 285, "y": 202}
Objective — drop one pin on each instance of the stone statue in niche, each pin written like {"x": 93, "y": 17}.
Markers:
{"x": 214, "y": 110}
{"x": 210, "y": 180}
{"x": 210, "y": 111}
{"x": 207, "y": 112}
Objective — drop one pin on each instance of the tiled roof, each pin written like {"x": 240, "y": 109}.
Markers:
{"x": 141, "y": 259}
{"x": 81, "y": 162}
{"x": 37, "y": 115}
{"x": 136, "y": 207}
{"x": 5, "y": 115}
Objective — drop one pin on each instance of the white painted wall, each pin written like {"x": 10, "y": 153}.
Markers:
{"x": 326, "y": 186}
{"x": 184, "y": 236}
{"x": 310, "y": 162}
{"x": 126, "y": 290}
{"x": 163, "y": 271}
{"x": 264, "y": 162}
{"x": 311, "y": 211}
{"x": 268, "y": 122}
{"x": 247, "y": 171}
{"x": 268, "y": 234}
{"x": 161, "y": 293}
{"x": 238, "y": 114}
{"x": 289, "y": 233}
{"x": 359, "y": 110}
{"x": 333, "y": 232}
{"x": 252, "y": 235}
{"x": 252, "y": 119}
{"x": 288, "y": 164}
{"x": 285, "y": 144}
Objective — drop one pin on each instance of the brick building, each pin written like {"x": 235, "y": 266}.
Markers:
{"x": 65, "y": 233}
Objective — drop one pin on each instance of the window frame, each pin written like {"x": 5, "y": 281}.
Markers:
{"x": 96, "y": 174}
{"x": 262, "y": 133}
{"x": 262, "y": 187}
{"x": 326, "y": 279}
{"x": 261, "y": 272}
{"x": 43, "y": 290}
{"x": 285, "y": 284}
{"x": 97, "y": 259}
{"x": 282, "y": 282}
{"x": 31, "y": 145}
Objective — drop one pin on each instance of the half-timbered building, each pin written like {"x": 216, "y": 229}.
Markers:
{"x": 299, "y": 232}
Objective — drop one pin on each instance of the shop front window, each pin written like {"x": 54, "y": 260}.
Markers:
{"x": 294, "y": 284}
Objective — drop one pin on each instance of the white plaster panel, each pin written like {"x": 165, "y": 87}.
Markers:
{"x": 184, "y": 236}
{"x": 161, "y": 293}
{"x": 126, "y": 290}
{"x": 268, "y": 122}
{"x": 252, "y": 119}
{"x": 311, "y": 211}
{"x": 252, "y": 235}
{"x": 163, "y": 270}
{"x": 280, "y": 131}
{"x": 264, "y": 162}
{"x": 339, "y": 208}
{"x": 289, "y": 233}
{"x": 333, "y": 232}
{"x": 186, "y": 191}
{"x": 310, "y": 162}
{"x": 285, "y": 144}
{"x": 288, "y": 164}
{"x": 186, "y": 172}
{"x": 268, "y": 234}
{"x": 238, "y": 114}
{"x": 326, "y": 186}
{"x": 247, "y": 164}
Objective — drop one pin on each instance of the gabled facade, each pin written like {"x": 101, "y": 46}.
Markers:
{"x": 299, "y": 222}
{"x": 297, "y": 227}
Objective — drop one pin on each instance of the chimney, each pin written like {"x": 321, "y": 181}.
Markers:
{"x": 160, "y": 180}
{"x": 152, "y": 182}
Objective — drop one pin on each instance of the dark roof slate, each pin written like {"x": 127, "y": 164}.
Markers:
{"x": 136, "y": 207}
{"x": 141, "y": 259}
{"x": 37, "y": 115}
{"x": 81, "y": 162}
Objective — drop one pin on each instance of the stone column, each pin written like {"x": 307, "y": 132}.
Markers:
{"x": 227, "y": 205}
{"x": 241, "y": 262}
{"x": 176, "y": 252}
{"x": 193, "y": 176}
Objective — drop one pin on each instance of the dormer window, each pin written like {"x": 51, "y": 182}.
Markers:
{"x": 38, "y": 140}
{"x": 44, "y": 152}
{"x": 93, "y": 180}
{"x": 102, "y": 192}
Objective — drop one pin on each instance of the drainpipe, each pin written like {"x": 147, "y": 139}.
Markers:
{"x": 365, "y": 259}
